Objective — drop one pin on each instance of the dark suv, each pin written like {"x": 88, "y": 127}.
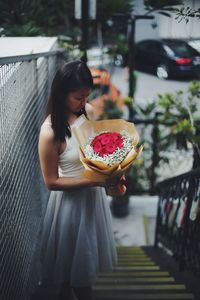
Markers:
{"x": 167, "y": 58}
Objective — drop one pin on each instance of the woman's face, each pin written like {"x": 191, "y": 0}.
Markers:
{"x": 75, "y": 101}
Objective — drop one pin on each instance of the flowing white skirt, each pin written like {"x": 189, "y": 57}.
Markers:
{"x": 77, "y": 239}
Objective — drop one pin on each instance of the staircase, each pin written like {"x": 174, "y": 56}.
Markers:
{"x": 136, "y": 276}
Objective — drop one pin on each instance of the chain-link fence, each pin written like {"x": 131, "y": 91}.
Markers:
{"x": 24, "y": 88}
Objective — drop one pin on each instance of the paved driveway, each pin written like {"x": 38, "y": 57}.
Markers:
{"x": 148, "y": 85}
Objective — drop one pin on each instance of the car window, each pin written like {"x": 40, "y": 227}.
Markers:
{"x": 168, "y": 50}
{"x": 183, "y": 49}
{"x": 143, "y": 46}
{"x": 156, "y": 48}
{"x": 151, "y": 46}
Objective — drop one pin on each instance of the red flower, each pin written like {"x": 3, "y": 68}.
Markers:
{"x": 103, "y": 152}
{"x": 116, "y": 136}
{"x": 105, "y": 140}
{"x": 110, "y": 148}
{"x": 107, "y": 143}
{"x": 97, "y": 147}
{"x": 119, "y": 143}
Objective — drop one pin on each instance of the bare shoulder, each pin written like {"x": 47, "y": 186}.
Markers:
{"x": 89, "y": 107}
{"x": 90, "y": 111}
{"x": 46, "y": 132}
{"x": 47, "y": 137}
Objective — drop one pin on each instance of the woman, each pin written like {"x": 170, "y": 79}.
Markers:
{"x": 77, "y": 237}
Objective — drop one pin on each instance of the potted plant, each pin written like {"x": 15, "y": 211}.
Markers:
{"x": 120, "y": 205}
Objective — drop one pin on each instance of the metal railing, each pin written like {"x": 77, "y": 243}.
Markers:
{"x": 178, "y": 219}
{"x": 24, "y": 88}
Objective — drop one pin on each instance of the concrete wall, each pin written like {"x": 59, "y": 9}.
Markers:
{"x": 10, "y": 46}
{"x": 144, "y": 28}
{"x": 165, "y": 27}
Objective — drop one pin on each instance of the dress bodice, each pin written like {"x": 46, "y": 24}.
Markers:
{"x": 69, "y": 164}
{"x": 69, "y": 160}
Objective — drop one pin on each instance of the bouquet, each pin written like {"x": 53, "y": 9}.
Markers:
{"x": 107, "y": 149}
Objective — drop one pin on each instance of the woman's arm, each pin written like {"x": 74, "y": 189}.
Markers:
{"x": 48, "y": 151}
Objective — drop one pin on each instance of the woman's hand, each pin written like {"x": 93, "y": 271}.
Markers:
{"x": 122, "y": 186}
{"x": 116, "y": 186}
{"x": 121, "y": 189}
{"x": 112, "y": 181}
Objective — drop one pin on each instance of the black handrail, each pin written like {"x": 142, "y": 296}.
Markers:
{"x": 178, "y": 219}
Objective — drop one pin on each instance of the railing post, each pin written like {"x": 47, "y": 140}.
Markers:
{"x": 157, "y": 223}
{"x": 196, "y": 149}
{"x": 155, "y": 154}
{"x": 190, "y": 196}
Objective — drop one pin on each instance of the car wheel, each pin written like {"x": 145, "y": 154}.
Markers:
{"x": 118, "y": 60}
{"x": 162, "y": 72}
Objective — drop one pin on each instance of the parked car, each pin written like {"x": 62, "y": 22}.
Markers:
{"x": 167, "y": 58}
{"x": 102, "y": 90}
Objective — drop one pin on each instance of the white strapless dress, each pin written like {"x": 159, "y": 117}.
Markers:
{"x": 77, "y": 239}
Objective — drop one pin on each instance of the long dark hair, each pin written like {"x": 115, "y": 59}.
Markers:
{"x": 70, "y": 77}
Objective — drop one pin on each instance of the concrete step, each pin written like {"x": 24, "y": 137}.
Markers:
{"x": 136, "y": 268}
{"x": 135, "y": 274}
{"x": 138, "y": 287}
{"x": 133, "y": 257}
{"x": 136, "y": 263}
{"x": 172, "y": 296}
{"x": 142, "y": 280}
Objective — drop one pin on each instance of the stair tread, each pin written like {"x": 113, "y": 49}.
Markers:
{"x": 174, "y": 296}
{"x": 135, "y": 273}
{"x": 138, "y": 263}
{"x": 136, "y": 268}
{"x": 129, "y": 247}
{"x": 126, "y": 287}
{"x": 126, "y": 257}
{"x": 137, "y": 276}
{"x": 127, "y": 280}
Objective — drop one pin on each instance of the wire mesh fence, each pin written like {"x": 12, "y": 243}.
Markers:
{"x": 24, "y": 89}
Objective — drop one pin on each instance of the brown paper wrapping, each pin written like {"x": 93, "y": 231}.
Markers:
{"x": 98, "y": 171}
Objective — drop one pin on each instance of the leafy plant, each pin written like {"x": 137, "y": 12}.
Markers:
{"x": 176, "y": 123}
{"x": 71, "y": 43}
{"x": 27, "y": 29}
{"x": 185, "y": 13}
{"x": 136, "y": 176}
{"x": 120, "y": 46}
{"x": 128, "y": 101}
{"x": 182, "y": 13}
{"x": 177, "y": 111}
{"x": 107, "y": 9}
{"x": 24, "y": 18}
{"x": 111, "y": 111}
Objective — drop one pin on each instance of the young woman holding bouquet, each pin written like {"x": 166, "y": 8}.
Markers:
{"x": 77, "y": 237}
